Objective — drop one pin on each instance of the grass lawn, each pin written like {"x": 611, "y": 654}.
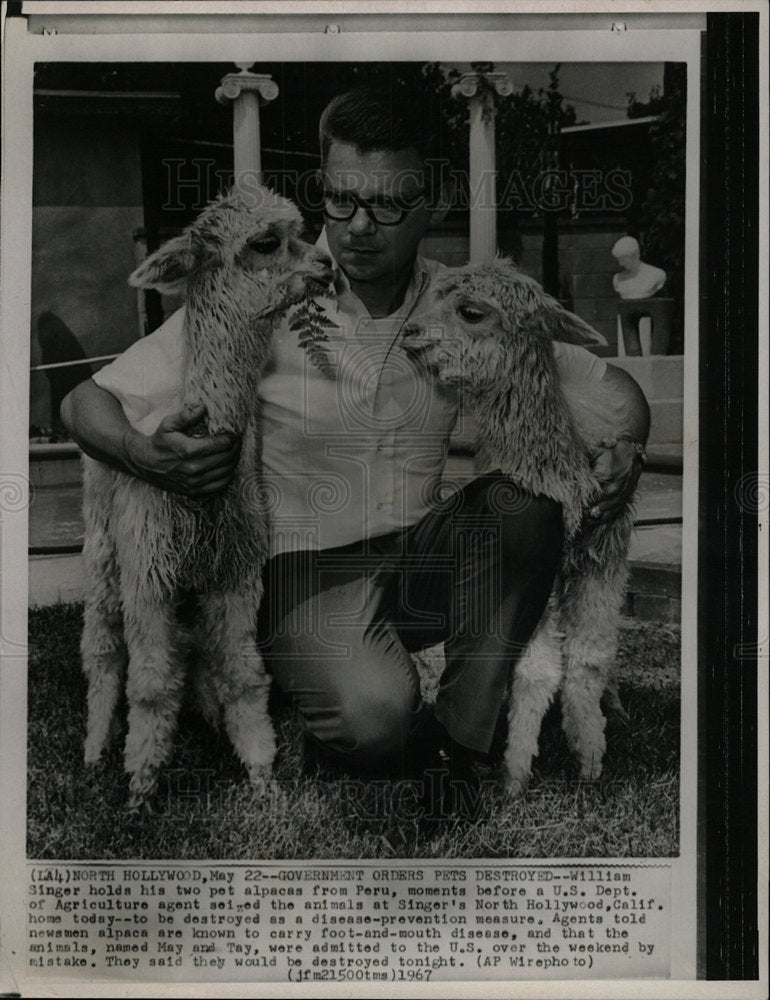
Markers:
{"x": 206, "y": 809}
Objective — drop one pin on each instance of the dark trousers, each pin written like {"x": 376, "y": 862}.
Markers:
{"x": 338, "y": 625}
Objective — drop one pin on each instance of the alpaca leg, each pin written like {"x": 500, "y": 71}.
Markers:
{"x": 239, "y": 677}
{"x": 156, "y": 671}
{"x": 582, "y": 718}
{"x": 535, "y": 681}
{"x": 591, "y": 611}
{"x": 206, "y": 699}
{"x": 102, "y": 645}
{"x": 192, "y": 639}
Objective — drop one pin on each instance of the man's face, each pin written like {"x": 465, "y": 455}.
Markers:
{"x": 367, "y": 251}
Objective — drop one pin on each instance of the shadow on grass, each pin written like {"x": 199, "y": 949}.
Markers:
{"x": 206, "y": 809}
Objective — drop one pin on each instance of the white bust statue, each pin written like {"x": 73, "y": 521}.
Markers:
{"x": 637, "y": 280}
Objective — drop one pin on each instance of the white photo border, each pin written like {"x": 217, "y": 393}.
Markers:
{"x": 22, "y": 50}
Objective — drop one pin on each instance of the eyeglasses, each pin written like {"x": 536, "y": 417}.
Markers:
{"x": 343, "y": 205}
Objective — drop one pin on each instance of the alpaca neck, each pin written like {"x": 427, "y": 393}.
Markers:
{"x": 525, "y": 430}
{"x": 223, "y": 359}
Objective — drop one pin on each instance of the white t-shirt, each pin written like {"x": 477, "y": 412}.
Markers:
{"x": 344, "y": 458}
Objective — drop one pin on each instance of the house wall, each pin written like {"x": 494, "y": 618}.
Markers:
{"x": 87, "y": 203}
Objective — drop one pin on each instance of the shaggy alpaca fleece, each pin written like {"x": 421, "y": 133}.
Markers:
{"x": 242, "y": 265}
{"x": 491, "y": 333}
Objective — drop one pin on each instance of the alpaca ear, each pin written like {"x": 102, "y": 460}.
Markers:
{"x": 571, "y": 329}
{"x": 167, "y": 268}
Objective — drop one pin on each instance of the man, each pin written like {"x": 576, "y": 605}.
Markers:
{"x": 367, "y": 564}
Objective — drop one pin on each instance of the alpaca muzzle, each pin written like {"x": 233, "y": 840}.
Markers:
{"x": 417, "y": 338}
{"x": 426, "y": 344}
{"x": 314, "y": 276}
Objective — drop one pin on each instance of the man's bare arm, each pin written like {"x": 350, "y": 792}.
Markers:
{"x": 169, "y": 459}
{"x": 637, "y": 414}
{"x": 619, "y": 468}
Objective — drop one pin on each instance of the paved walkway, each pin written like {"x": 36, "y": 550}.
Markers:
{"x": 656, "y": 550}
{"x": 660, "y": 496}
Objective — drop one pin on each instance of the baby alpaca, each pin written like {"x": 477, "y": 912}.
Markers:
{"x": 242, "y": 265}
{"x": 491, "y": 333}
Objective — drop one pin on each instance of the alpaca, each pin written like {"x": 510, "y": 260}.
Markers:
{"x": 490, "y": 333}
{"x": 242, "y": 265}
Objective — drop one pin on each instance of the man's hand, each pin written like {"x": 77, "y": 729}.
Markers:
{"x": 173, "y": 460}
{"x": 618, "y": 470}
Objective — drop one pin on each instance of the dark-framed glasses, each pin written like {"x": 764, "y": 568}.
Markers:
{"x": 343, "y": 205}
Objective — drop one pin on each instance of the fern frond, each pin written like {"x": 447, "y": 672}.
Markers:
{"x": 311, "y": 323}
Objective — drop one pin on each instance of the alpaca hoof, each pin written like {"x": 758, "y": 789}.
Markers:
{"x": 93, "y": 752}
{"x": 137, "y": 808}
{"x": 139, "y": 803}
{"x": 258, "y": 756}
{"x": 140, "y": 792}
{"x": 260, "y": 779}
{"x": 515, "y": 785}
{"x": 591, "y": 772}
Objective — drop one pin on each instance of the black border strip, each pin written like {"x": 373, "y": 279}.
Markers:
{"x": 728, "y": 502}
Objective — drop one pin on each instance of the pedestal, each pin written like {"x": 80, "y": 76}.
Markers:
{"x": 632, "y": 312}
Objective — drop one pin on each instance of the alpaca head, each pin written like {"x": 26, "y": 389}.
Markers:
{"x": 490, "y": 333}
{"x": 489, "y": 321}
{"x": 244, "y": 247}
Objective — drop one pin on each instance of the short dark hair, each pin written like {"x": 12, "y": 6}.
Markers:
{"x": 365, "y": 119}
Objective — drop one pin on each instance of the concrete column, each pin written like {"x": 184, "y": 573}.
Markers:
{"x": 247, "y": 92}
{"x": 477, "y": 88}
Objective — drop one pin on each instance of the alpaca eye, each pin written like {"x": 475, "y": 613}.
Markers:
{"x": 470, "y": 314}
{"x": 264, "y": 244}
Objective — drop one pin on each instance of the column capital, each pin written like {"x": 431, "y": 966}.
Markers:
{"x": 235, "y": 84}
{"x": 477, "y": 84}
